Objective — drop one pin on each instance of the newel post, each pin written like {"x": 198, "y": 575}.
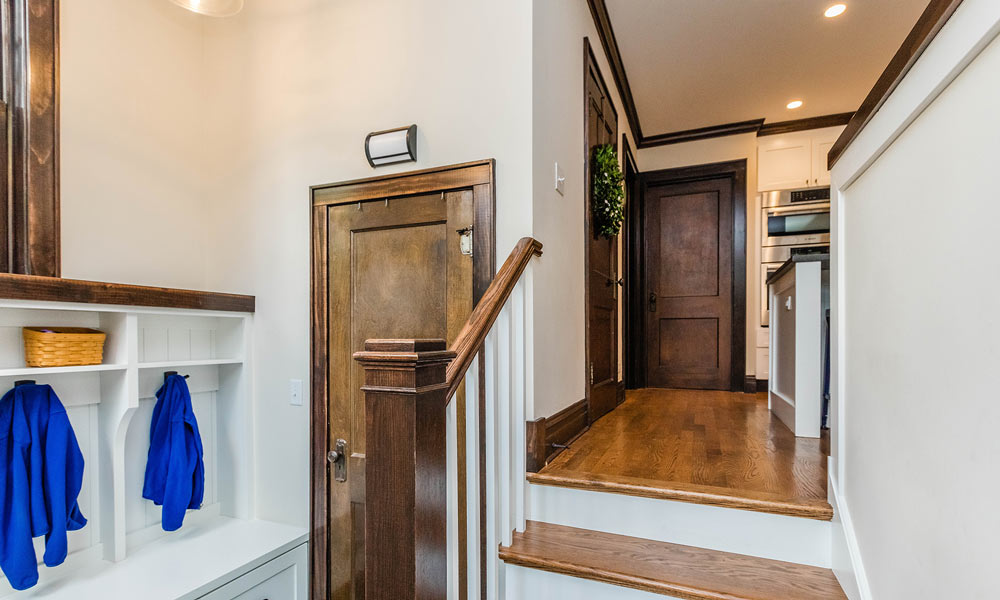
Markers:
{"x": 406, "y": 516}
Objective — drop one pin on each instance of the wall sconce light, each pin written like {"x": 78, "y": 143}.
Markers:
{"x": 391, "y": 146}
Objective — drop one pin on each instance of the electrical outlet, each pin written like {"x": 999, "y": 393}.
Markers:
{"x": 560, "y": 181}
{"x": 295, "y": 392}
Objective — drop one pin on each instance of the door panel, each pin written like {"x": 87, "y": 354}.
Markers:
{"x": 602, "y": 261}
{"x": 395, "y": 270}
{"x": 689, "y": 277}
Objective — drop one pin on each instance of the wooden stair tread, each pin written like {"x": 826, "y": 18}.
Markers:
{"x": 664, "y": 568}
{"x": 809, "y": 508}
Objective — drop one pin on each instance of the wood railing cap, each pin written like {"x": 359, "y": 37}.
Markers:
{"x": 421, "y": 351}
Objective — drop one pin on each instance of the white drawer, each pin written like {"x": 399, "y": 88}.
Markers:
{"x": 284, "y": 578}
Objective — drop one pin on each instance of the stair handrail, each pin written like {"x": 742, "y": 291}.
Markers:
{"x": 470, "y": 339}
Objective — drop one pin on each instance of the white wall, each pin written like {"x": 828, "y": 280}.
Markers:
{"x": 713, "y": 150}
{"x": 294, "y": 87}
{"x": 557, "y": 136}
{"x": 132, "y": 144}
{"x": 189, "y": 145}
{"x": 917, "y": 306}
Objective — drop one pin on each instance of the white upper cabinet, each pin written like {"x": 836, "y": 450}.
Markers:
{"x": 794, "y": 160}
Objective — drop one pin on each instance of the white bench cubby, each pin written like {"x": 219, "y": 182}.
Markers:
{"x": 110, "y": 407}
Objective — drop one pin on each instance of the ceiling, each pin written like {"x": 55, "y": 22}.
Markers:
{"x": 701, "y": 63}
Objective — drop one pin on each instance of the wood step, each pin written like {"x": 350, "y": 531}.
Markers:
{"x": 809, "y": 508}
{"x": 663, "y": 568}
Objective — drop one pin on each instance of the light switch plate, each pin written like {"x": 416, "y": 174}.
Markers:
{"x": 295, "y": 392}
{"x": 560, "y": 181}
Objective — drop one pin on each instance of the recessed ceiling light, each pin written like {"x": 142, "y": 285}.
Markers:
{"x": 794, "y": 104}
{"x": 835, "y": 11}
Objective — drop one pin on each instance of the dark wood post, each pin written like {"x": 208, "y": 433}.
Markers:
{"x": 405, "y": 469}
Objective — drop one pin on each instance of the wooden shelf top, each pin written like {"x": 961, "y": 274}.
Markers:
{"x": 57, "y": 289}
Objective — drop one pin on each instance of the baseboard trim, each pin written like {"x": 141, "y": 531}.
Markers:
{"x": 545, "y": 436}
{"x": 752, "y": 385}
{"x": 853, "y": 580}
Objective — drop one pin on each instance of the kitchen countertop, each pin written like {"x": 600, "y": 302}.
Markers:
{"x": 798, "y": 258}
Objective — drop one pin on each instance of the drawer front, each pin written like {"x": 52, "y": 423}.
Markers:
{"x": 276, "y": 587}
{"x": 284, "y": 578}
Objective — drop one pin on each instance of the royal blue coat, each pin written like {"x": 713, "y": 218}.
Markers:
{"x": 175, "y": 466}
{"x": 41, "y": 473}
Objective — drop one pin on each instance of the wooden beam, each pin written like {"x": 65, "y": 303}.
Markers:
{"x": 406, "y": 513}
{"x": 55, "y": 289}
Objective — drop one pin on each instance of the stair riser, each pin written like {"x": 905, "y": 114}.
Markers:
{"x": 532, "y": 584}
{"x": 777, "y": 537}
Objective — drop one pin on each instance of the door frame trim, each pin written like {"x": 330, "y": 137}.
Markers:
{"x": 590, "y": 61}
{"x": 480, "y": 176}
{"x": 635, "y": 331}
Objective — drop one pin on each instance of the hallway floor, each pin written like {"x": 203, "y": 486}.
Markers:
{"x": 708, "y": 447}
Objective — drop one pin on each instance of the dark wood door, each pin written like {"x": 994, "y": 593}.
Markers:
{"x": 601, "y": 128}
{"x": 396, "y": 270}
{"x": 688, "y": 234}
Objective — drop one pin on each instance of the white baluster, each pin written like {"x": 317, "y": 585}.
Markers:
{"x": 492, "y": 564}
{"x": 517, "y": 389}
{"x": 451, "y": 454}
{"x": 472, "y": 434}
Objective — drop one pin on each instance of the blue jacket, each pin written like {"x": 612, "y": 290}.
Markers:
{"x": 41, "y": 473}
{"x": 175, "y": 467}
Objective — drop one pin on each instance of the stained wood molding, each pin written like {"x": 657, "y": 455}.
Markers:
{"x": 605, "y": 31}
{"x": 805, "y": 124}
{"x": 31, "y": 50}
{"x": 701, "y": 133}
{"x": 599, "y": 12}
{"x": 55, "y": 289}
{"x": 546, "y": 436}
{"x": 928, "y": 25}
{"x": 451, "y": 177}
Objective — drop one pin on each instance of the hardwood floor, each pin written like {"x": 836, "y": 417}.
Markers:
{"x": 664, "y": 568}
{"x": 707, "y": 447}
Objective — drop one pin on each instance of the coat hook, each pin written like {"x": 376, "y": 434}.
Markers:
{"x": 387, "y": 202}
{"x": 169, "y": 373}
{"x": 24, "y": 382}
{"x": 359, "y": 206}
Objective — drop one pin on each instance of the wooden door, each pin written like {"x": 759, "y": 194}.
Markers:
{"x": 688, "y": 247}
{"x": 601, "y": 257}
{"x": 396, "y": 269}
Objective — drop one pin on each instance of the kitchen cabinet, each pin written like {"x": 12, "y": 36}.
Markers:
{"x": 795, "y": 160}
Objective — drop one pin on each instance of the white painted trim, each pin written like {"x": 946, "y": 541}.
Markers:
{"x": 854, "y": 581}
{"x": 971, "y": 28}
{"x": 776, "y": 537}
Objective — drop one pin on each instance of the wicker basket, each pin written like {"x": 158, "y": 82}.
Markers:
{"x": 62, "y": 346}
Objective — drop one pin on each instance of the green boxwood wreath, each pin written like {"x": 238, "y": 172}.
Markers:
{"x": 607, "y": 196}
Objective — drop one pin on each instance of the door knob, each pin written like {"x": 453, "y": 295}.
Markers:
{"x": 652, "y": 301}
{"x": 621, "y": 282}
{"x": 338, "y": 457}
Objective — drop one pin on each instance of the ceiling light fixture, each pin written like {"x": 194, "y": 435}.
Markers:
{"x": 835, "y": 11}
{"x": 793, "y": 104}
{"x": 212, "y": 8}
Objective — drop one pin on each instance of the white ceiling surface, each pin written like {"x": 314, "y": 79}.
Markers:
{"x": 697, "y": 63}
